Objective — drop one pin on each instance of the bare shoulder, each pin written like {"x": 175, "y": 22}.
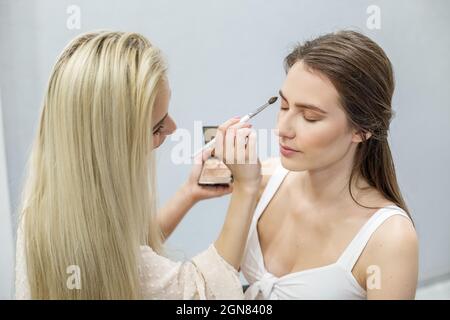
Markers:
{"x": 397, "y": 229}
{"x": 393, "y": 250}
{"x": 396, "y": 236}
{"x": 268, "y": 167}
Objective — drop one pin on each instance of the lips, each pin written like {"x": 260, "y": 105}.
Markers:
{"x": 287, "y": 152}
{"x": 287, "y": 148}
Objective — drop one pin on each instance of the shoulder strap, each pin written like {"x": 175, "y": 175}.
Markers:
{"x": 359, "y": 242}
{"x": 272, "y": 186}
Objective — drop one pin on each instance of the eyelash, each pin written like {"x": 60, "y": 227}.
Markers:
{"x": 308, "y": 120}
{"x": 158, "y": 131}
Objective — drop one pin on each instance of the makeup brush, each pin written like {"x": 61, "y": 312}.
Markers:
{"x": 245, "y": 118}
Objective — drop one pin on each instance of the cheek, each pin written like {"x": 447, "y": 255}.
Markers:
{"x": 158, "y": 141}
{"x": 318, "y": 137}
{"x": 324, "y": 137}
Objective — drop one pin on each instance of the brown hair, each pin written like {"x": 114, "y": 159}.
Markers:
{"x": 363, "y": 76}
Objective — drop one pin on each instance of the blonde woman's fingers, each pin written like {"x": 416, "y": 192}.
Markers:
{"x": 224, "y": 126}
{"x": 229, "y": 147}
{"x": 241, "y": 144}
{"x": 226, "y": 137}
{"x": 235, "y": 145}
{"x": 251, "y": 150}
{"x": 220, "y": 137}
{"x": 231, "y": 133}
{"x": 218, "y": 148}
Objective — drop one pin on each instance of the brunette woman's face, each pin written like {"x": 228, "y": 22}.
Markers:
{"x": 162, "y": 123}
{"x": 313, "y": 128}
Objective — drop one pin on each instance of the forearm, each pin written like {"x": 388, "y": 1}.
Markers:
{"x": 170, "y": 215}
{"x": 233, "y": 236}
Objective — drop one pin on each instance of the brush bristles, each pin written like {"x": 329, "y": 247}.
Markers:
{"x": 272, "y": 100}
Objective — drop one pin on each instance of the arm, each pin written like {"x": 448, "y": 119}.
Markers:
{"x": 170, "y": 215}
{"x": 236, "y": 147}
{"x": 247, "y": 198}
{"x": 394, "y": 250}
{"x": 211, "y": 274}
{"x": 233, "y": 236}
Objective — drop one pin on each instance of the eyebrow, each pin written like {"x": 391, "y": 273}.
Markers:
{"x": 160, "y": 122}
{"x": 304, "y": 105}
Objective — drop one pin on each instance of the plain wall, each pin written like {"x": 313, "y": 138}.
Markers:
{"x": 6, "y": 232}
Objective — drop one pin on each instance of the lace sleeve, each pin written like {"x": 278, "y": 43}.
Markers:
{"x": 207, "y": 276}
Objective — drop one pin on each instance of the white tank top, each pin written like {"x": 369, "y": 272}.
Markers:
{"x": 334, "y": 281}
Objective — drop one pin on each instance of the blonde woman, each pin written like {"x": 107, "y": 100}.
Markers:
{"x": 89, "y": 204}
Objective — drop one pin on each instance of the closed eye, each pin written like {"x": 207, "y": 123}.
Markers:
{"x": 158, "y": 130}
{"x": 283, "y": 106}
{"x": 307, "y": 118}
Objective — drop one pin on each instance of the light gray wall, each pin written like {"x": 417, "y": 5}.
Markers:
{"x": 225, "y": 58}
{"x": 6, "y": 238}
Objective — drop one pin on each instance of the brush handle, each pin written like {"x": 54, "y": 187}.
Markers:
{"x": 245, "y": 118}
{"x": 209, "y": 144}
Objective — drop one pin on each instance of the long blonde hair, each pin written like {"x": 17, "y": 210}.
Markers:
{"x": 89, "y": 199}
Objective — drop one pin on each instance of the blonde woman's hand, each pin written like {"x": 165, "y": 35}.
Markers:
{"x": 236, "y": 147}
{"x": 196, "y": 192}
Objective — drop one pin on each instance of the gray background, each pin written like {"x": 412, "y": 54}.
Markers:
{"x": 225, "y": 58}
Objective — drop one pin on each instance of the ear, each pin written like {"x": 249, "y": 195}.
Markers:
{"x": 358, "y": 136}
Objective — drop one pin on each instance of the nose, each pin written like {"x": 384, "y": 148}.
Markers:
{"x": 285, "y": 127}
{"x": 171, "y": 126}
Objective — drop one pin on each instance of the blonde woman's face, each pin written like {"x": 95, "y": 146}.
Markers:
{"x": 313, "y": 128}
{"x": 162, "y": 123}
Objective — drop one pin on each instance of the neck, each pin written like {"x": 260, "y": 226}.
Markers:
{"x": 329, "y": 185}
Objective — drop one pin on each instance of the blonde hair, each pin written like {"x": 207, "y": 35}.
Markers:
{"x": 89, "y": 199}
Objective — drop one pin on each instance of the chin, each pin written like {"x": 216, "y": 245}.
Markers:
{"x": 292, "y": 164}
